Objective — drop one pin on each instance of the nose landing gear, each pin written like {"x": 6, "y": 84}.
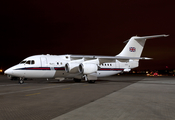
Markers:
{"x": 21, "y": 80}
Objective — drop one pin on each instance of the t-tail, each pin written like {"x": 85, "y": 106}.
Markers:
{"x": 135, "y": 46}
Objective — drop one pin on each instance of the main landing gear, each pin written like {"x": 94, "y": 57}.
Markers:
{"x": 77, "y": 80}
{"x": 85, "y": 78}
{"x": 89, "y": 81}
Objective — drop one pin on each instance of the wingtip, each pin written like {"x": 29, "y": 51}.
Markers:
{"x": 166, "y": 35}
{"x": 146, "y": 58}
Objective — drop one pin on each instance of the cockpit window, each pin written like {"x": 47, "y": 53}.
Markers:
{"x": 27, "y": 62}
{"x": 22, "y": 62}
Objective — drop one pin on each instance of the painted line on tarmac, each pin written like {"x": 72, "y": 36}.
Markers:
{"x": 40, "y": 88}
{"x": 26, "y": 87}
{"x": 65, "y": 88}
{"x": 9, "y": 85}
{"x": 32, "y": 94}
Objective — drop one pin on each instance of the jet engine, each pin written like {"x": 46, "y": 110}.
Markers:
{"x": 71, "y": 67}
{"x": 86, "y": 68}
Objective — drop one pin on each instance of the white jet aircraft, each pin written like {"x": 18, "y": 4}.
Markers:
{"x": 89, "y": 67}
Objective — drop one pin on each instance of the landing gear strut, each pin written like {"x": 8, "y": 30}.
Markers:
{"x": 89, "y": 81}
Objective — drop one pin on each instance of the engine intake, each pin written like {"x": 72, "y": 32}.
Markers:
{"x": 87, "y": 68}
{"x": 71, "y": 67}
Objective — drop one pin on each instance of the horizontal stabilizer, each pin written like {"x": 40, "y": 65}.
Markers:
{"x": 146, "y": 58}
{"x": 150, "y": 37}
{"x": 146, "y": 37}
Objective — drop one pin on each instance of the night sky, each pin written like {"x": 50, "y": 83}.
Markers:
{"x": 92, "y": 27}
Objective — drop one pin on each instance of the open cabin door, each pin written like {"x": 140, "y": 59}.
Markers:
{"x": 44, "y": 62}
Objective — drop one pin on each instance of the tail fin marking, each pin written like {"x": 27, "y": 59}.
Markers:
{"x": 135, "y": 46}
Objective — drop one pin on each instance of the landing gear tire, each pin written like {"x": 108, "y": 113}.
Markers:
{"x": 21, "y": 80}
{"x": 77, "y": 80}
{"x": 91, "y": 81}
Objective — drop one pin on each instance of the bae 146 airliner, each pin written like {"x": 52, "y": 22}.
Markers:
{"x": 78, "y": 67}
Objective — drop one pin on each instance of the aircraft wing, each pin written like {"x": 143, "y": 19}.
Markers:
{"x": 106, "y": 57}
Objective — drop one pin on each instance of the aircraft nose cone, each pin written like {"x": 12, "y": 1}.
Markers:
{"x": 8, "y": 71}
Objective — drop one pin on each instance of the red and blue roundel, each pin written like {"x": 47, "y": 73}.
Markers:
{"x": 132, "y": 49}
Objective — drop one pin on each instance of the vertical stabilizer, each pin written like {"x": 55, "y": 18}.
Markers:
{"x": 135, "y": 45}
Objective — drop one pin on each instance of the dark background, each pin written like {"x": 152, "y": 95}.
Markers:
{"x": 92, "y": 27}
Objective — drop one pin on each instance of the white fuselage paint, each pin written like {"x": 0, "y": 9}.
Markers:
{"x": 53, "y": 66}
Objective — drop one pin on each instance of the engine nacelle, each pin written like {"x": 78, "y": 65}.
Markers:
{"x": 71, "y": 67}
{"x": 85, "y": 68}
